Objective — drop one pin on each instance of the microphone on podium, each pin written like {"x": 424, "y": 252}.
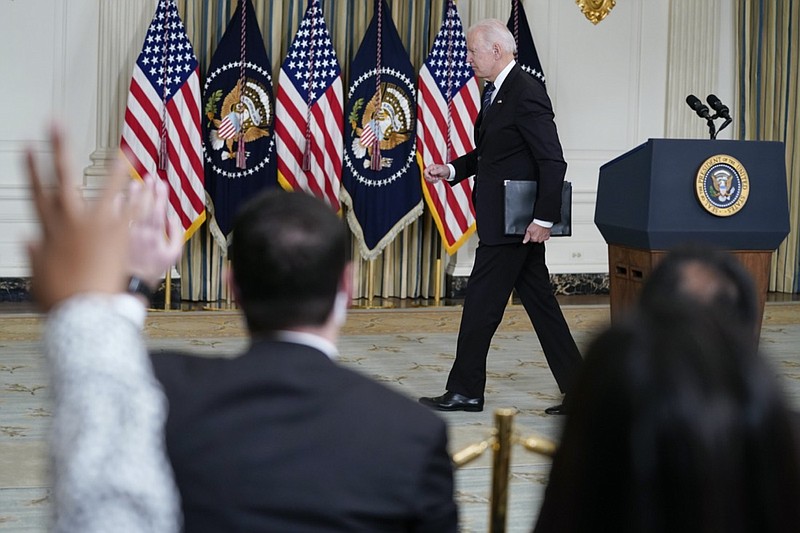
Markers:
{"x": 721, "y": 109}
{"x": 698, "y": 106}
{"x": 702, "y": 111}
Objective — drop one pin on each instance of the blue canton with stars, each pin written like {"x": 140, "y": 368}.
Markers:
{"x": 167, "y": 58}
{"x": 447, "y": 61}
{"x": 312, "y": 41}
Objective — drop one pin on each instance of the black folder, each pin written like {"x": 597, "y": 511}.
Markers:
{"x": 519, "y": 204}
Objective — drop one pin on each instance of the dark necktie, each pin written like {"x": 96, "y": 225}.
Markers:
{"x": 488, "y": 91}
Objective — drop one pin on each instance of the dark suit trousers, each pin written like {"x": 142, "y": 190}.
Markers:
{"x": 497, "y": 270}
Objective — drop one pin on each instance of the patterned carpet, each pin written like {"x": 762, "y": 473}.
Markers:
{"x": 407, "y": 349}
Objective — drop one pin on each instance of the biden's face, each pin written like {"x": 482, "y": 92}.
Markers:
{"x": 482, "y": 56}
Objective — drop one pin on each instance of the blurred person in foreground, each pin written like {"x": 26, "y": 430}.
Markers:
{"x": 109, "y": 465}
{"x": 711, "y": 278}
{"x": 679, "y": 423}
{"x": 281, "y": 437}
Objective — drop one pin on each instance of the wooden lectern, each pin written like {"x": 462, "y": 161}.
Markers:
{"x": 668, "y": 192}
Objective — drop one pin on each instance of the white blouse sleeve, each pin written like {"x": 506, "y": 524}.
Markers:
{"x": 110, "y": 468}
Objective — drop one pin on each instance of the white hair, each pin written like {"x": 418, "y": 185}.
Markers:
{"x": 494, "y": 31}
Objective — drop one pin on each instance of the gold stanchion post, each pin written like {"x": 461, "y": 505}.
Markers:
{"x": 504, "y": 422}
{"x": 501, "y": 442}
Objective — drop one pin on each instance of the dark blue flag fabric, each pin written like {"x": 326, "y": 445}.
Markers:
{"x": 527, "y": 57}
{"x": 381, "y": 175}
{"x": 238, "y": 121}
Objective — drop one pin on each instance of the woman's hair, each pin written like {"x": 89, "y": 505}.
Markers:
{"x": 706, "y": 277}
{"x": 676, "y": 424}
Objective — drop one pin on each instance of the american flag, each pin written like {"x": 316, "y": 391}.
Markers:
{"x": 161, "y": 135}
{"x": 309, "y": 112}
{"x": 448, "y": 102}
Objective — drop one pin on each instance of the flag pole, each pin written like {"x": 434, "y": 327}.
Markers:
{"x": 227, "y": 286}
{"x": 437, "y": 284}
{"x": 370, "y": 281}
{"x": 168, "y": 289}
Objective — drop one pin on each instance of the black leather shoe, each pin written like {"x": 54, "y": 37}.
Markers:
{"x": 453, "y": 401}
{"x": 560, "y": 409}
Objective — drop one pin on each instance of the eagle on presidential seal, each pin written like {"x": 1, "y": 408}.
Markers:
{"x": 721, "y": 185}
{"x": 244, "y": 115}
{"x": 388, "y": 117}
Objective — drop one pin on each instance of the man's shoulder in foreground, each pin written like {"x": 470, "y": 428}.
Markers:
{"x": 275, "y": 361}
{"x": 292, "y": 417}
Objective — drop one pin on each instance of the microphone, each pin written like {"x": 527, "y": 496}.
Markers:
{"x": 721, "y": 109}
{"x": 698, "y": 106}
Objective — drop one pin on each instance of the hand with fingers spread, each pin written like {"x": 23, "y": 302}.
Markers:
{"x": 96, "y": 247}
{"x": 155, "y": 241}
{"x": 83, "y": 247}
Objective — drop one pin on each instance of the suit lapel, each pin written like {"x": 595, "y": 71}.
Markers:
{"x": 487, "y": 117}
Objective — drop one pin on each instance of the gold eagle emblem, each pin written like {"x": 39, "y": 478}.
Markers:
{"x": 243, "y": 116}
{"x": 388, "y": 121}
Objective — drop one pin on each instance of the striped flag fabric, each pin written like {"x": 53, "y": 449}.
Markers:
{"x": 161, "y": 134}
{"x": 527, "y": 57}
{"x": 309, "y": 112}
{"x": 238, "y": 126}
{"x": 448, "y": 102}
{"x": 380, "y": 175}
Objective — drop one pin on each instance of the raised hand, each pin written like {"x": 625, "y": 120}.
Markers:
{"x": 83, "y": 247}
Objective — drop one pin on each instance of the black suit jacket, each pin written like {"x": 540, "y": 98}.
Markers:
{"x": 516, "y": 139}
{"x": 282, "y": 439}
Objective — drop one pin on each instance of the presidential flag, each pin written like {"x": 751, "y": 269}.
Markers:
{"x": 527, "y": 57}
{"x": 238, "y": 125}
{"x": 161, "y": 134}
{"x": 448, "y": 103}
{"x": 381, "y": 176}
{"x": 309, "y": 112}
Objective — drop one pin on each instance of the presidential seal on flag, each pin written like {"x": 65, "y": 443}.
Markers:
{"x": 380, "y": 125}
{"x": 242, "y": 115}
{"x": 238, "y": 122}
{"x": 381, "y": 175}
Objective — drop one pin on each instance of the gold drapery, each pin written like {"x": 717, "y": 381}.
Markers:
{"x": 768, "y": 52}
{"x": 406, "y": 268}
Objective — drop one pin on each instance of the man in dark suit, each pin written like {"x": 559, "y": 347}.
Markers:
{"x": 515, "y": 139}
{"x": 282, "y": 438}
